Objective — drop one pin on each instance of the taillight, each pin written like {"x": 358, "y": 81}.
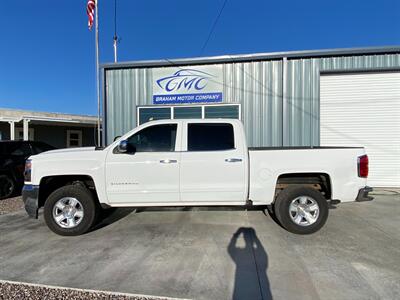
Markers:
{"x": 28, "y": 170}
{"x": 363, "y": 166}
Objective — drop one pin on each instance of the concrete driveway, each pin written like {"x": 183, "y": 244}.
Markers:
{"x": 214, "y": 254}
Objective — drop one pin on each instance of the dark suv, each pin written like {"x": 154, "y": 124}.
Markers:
{"x": 13, "y": 155}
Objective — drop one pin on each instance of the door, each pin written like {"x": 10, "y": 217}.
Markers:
{"x": 364, "y": 110}
{"x": 213, "y": 167}
{"x": 149, "y": 171}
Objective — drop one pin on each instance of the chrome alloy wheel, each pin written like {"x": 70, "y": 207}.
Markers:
{"x": 304, "y": 211}
{"x": 68, "y": 212}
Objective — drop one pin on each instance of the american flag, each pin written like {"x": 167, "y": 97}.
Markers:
{"x": 91, "y": 4}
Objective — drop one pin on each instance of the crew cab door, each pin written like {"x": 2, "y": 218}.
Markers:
{"x": 149, "y": 171}
{"x": 213, "y": 167}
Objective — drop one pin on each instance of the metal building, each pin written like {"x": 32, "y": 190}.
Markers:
{"x": 302, "y": 98}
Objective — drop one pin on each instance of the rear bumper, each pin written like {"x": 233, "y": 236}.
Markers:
{"x": 30, "y": 196}
{"x": 363, "y": 194}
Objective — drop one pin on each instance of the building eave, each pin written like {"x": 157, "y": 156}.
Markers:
{"x": 254, "y": 57}
{"x": 17, "y": 115}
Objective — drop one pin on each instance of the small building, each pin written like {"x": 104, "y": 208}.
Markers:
{"x": 55, "y": 129}
{"x": 339, "y": 97}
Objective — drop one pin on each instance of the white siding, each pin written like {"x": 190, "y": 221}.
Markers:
{"x": 364, "y": 110}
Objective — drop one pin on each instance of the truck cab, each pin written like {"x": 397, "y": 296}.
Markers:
{"x": 179, "y": 162}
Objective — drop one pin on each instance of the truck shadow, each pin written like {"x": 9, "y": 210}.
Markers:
{"x": 197, "y": 208}
{"x": 251, "y": 281}
{"x": 112, "y": 215}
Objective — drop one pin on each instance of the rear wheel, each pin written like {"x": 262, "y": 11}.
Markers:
{"x": 70, "y": 210}
{"x": 7, "y": 186}
{"x": 301, "y": 210}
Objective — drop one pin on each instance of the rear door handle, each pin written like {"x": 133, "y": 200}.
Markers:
{"x": 233, "y": 159}
{"x": 168, "y": 161}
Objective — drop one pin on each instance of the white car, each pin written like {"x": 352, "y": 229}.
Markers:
{"x": 192, "y": 163}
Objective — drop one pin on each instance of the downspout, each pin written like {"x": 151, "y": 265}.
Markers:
{"x": 285, "y": 127}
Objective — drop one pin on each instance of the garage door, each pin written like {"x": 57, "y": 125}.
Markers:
{"x": 364, "y": 110}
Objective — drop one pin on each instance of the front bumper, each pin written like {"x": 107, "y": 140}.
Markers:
{"x": 30, "y": 196}
{"x": 363, "y": 194}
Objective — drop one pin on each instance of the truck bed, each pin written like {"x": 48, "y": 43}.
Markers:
{"x": 339, "y": 163}
{"x": 300, "y": 148}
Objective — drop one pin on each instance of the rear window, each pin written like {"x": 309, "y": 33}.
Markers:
{"x": 39, "y": 147}
{"x": 24, "y": 149}
{"x": 210, "y": 137}
{"x": 15, "y": 148}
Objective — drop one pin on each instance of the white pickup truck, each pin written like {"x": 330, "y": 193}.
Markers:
{"x": 192, "y": 163}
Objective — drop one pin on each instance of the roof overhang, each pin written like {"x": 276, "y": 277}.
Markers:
{"x": 254, "y": 57}
{"x": 61, "y": 121}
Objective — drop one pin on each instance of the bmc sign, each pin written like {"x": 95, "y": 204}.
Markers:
{"x": 201, "y": 84}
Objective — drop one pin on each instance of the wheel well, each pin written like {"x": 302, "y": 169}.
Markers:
{"x": 50, "y": 183}
{"x": 318, "y": 181}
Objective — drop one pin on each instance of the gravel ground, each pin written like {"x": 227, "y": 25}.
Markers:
{"x": 11, "y": 205}
{"x": 21, "y": 291}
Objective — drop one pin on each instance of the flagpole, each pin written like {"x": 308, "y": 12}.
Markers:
{"x": 115, "y": 49}
{"x": 115, "y": 32}
{"x": 97, "y": 73}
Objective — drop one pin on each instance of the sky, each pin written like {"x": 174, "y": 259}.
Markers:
{"x": 47, "y": 53}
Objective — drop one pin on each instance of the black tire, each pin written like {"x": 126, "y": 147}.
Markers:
{"x": 282, "y": 212}
{"x": 89, "y": 206}
{"x": 7, "y": 186}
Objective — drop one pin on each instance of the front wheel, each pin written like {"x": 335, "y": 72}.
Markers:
{"x": 70, "y": 210}
{"x": 301, "y": 210}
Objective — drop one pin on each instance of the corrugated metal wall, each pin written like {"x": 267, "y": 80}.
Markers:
{"x": 279, "y": 98}
{"x": 256, "y": 85}
{"x": 125, "y": 90}
{"x": 301, "y": 98}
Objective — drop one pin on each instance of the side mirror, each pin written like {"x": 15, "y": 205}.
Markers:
{"x": 116, "y": 138}
{"x": 123, "y": 146}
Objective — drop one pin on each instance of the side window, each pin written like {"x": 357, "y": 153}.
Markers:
{"x": 157, "y": 138}
{"x": 41, "y": 147}
{"x": 210, "y": 137}
{"x": 23, "y": 149}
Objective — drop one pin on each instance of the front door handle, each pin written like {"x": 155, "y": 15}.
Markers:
{"x": 168, "y": 161}
{"x": 233, "y": 160}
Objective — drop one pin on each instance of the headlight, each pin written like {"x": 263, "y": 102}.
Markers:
{"x": 28, "y": 170}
